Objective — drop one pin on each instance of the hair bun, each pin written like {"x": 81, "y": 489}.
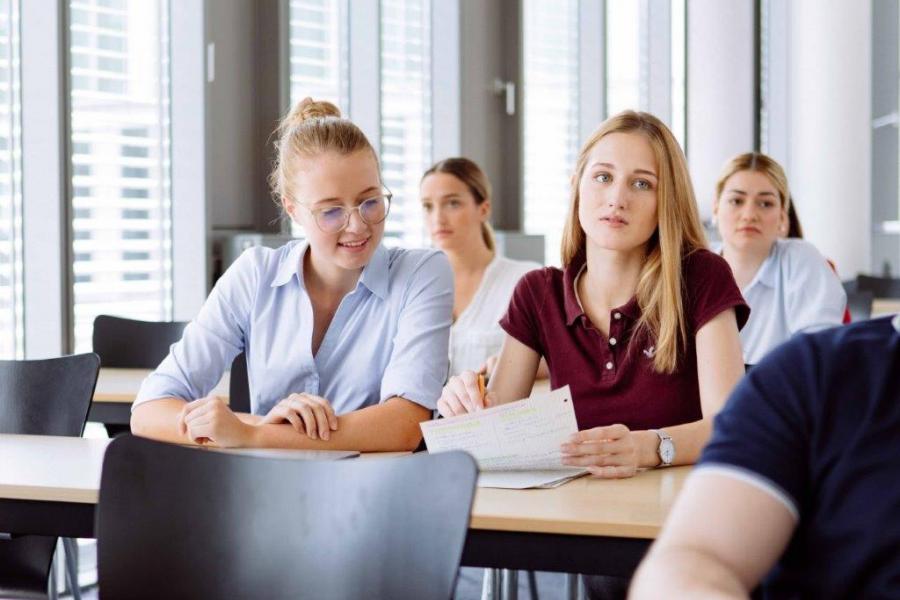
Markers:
{"x": 308, "y": 109}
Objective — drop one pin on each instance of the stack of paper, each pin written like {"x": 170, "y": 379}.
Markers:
{"x": 516, "y": 445}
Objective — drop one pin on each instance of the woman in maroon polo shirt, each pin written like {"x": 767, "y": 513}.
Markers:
{"x": 642, "y": 321}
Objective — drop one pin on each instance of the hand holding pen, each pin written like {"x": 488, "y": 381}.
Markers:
{"x": 464, "y": 393}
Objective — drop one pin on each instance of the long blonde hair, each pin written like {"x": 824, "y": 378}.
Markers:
{"x": 475, "y": 180}
{"x": 660, "y": 289}
{"x": 313, "y": 127}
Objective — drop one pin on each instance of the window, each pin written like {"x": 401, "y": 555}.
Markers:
{"x": 623, "y": 56}
{"x": 550, "y": 116}
{"x": 679, "y": 72}
{"x": 137, "y": 151}
{"x": 11, "y": 299}
{"x": 120, "y": 135}
{"x": 318, "y": 55}
{"x": 134, "y": 172}
{"x": 318, "y": 51}
{"x": 405, "y": 113}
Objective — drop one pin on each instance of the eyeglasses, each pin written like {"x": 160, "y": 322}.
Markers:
{"x": 333, "y": 219}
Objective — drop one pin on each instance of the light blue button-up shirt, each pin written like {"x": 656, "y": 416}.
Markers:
{"x": 794, "y": 291}
{"x": 389, "y": 336}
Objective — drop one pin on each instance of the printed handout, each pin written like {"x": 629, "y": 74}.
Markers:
{"x": 517, "y": 444}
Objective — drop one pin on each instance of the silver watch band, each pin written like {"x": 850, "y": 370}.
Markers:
{"x": 666, "y": 448}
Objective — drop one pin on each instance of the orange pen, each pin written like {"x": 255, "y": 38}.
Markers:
{"x": 481, "y": 389}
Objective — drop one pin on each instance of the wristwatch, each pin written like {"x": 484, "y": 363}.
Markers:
{"x": 666, "y": 448}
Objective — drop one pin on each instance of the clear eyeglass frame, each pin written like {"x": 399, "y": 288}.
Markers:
{"x": 319, "y": 213}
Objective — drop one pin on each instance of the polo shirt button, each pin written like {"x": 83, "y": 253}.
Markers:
{"x": 609, "y": 366}
{"x": 612, "y": 341}
{"x": 617, "y": 316}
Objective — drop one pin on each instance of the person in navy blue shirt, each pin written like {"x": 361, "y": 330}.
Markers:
{"x": 798, "y": 491}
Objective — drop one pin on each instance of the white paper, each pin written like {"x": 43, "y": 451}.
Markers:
{"x": 521, "y": 480}
{"x": 522, "y": 438}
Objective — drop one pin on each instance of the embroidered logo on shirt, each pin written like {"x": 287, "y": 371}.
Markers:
{"x": 650, "y": 352}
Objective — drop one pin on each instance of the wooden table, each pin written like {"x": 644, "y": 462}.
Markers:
{"x": 885, "y": 306}
{"x": 117, "y": 388}
{"x": 587, "y": 526}
{"x": 50, "y": 486}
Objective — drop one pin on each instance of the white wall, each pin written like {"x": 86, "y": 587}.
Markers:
{"x": 720, "y": 89}
{"x": 830, "y": 127}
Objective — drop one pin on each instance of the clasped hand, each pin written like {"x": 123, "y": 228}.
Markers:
{"x": 210, "y": 420}
{"x": 312, "y": 415}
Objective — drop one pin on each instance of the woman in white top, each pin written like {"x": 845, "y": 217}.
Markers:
{"x": 788, "y": 284}
{"x": 456, "y": 201}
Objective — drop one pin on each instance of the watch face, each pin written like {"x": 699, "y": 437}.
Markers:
{"x": 667, "y": 451}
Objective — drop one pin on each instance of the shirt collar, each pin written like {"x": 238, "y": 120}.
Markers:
{"x": 289, "y": 264}
{"x": 374, "y": 275}
{"x": 570, "y": 297}
{"x": 571, "y": 301}
{"x": 896, "y": 323}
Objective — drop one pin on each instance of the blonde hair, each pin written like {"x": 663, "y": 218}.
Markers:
{"x": 660, "y": 290}
{"x": 313, "y": 127}
{"x": 761, "y": 163}
{"x": 468, "y": 172}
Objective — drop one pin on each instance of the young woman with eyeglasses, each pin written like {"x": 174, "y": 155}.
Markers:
{"x": 346, "y": 340}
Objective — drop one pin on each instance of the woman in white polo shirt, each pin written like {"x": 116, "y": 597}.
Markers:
{"x": 788, "y": 284}
{"x": 456, "y": 202}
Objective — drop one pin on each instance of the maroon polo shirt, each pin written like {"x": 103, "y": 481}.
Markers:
{"x": 612, "y": 378}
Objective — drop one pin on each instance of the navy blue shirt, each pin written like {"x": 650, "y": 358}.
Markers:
{"x": 817, "y": 424}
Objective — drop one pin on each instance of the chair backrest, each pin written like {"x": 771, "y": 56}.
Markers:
{"x": 239, "y": 385}
{"x": 215, "y": 525}
{"x": 47, "y": 397}
{"x": 859, "y": 303}
{"x": 127, "y": 343}
{"x": 881, "y": 287}
{"x": 40, "y": 397}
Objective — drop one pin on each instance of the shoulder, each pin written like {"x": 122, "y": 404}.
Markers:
{"x": 541, "y": 279}
{"x": 863, "y": 341}
{"x": 515, "y": 267}
{"x": 710, "y": 288}
{"x": 701, "y": 265}
{"x": 795, "y": 255}
{"x": 260, "y": 262}
{"x": 504, "y": 273}
{"x": 536, "y": 285}
{"x": 406, "y": 266}
{"x": 833, "y": 357}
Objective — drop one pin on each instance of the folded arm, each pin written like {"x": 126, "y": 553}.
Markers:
{"x": 392, "y": 425}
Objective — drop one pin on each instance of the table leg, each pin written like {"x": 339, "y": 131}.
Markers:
{"x": 510, "y": 590}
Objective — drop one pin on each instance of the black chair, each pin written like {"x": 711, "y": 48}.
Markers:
{"x": 222, "y": 525}
{"x": 42, "y": 397}
{"x": 132, "y": 344}
{"x": 880, "y": 287}
{"x": 239, "y": 385}
{"x": 859, "y": 303}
